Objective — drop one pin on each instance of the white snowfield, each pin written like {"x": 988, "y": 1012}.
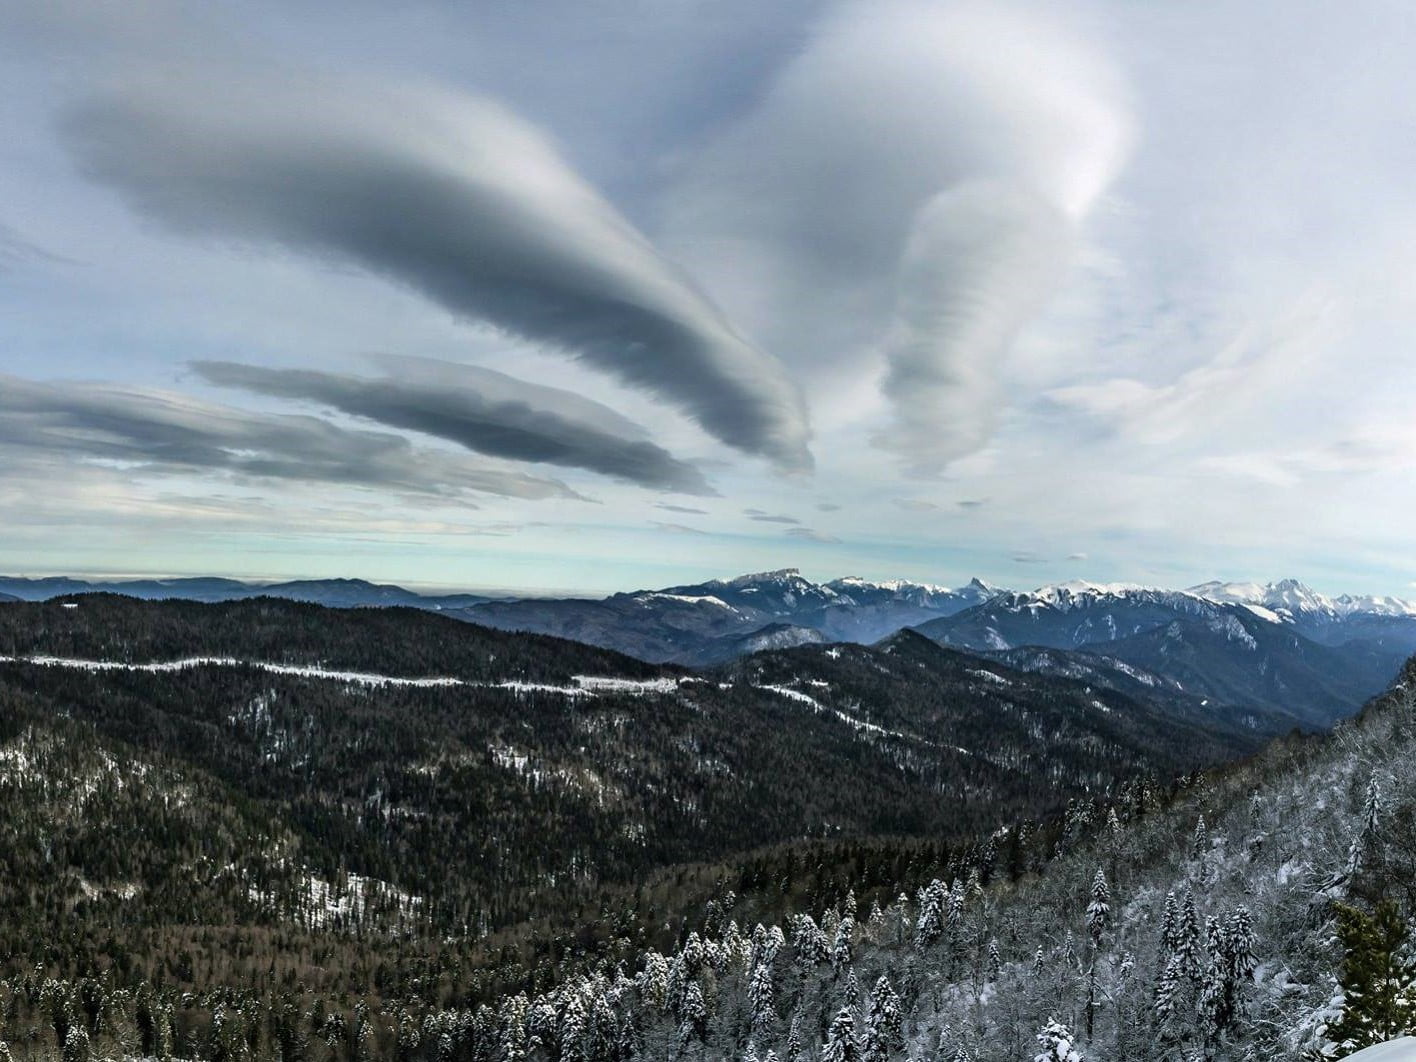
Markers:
{"x": 585, "y": 685}
{"x": 1403, "y": 1050}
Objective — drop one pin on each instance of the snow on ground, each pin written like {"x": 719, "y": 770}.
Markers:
{"x": 854, "y": 722}
{"x": 606, "y": 684}
{"x": 1403, "y": 1050}
{"x": 990, "y": 676}
{"x": 585, "y": 685}
{"x": 362, "y": 678}
{"x": 323, "y": 903}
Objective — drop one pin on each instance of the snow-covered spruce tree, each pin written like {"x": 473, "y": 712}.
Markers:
{"x": 1378, "y": 979}
{"x": 1231, "y": 966}
{"x": 1199, "y": 843}
{"x": 794, "y": 1042}
{"x": 840, "y": 1045}
{"x": 693, "y": 1022}
{"x": 930, "y": 924}
{"x": 1057, "y": 1044}
{"x": 1098, "y": 914}
{"x": 761, "y": 996}
{"x": 884, "y": 1027}
{"x": 843, "y": 947}
{"x": 76, "y": 1044}
{"x": 1367, "y": 836}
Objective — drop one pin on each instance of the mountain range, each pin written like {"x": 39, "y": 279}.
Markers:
{"x": 1265, "y": 652}
{"x": 336, "y": 593}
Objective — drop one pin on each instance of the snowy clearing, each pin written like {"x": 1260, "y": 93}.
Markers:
{"x": 585, "y": 685}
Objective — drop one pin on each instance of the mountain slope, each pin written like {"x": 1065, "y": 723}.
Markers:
{"x": 1243, "y": 660}
{"x": 1228, "y": 653}
{"x": 697, "y": 623}
{"x": 309, "y": 862}
{"x": 1388, "y": 621}
{"x": 470, "y": 767}
{"x": 1202, "y": 925}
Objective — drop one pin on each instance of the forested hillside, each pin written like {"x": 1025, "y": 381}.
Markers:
{"x": 268, "y": 829}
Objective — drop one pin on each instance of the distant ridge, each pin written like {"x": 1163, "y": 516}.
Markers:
{"x": 337, "y": 593}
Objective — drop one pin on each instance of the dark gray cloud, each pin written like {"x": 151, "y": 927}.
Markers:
{"x": 485, "y": 411}
{"x": 155, "y": 431}
{"x": 686, "y": 509}
{"x": 769, "y": 518}
{"x": 447, "y": 193}
{"x": 971, "y": 503}
{"x": 828, "y": 507}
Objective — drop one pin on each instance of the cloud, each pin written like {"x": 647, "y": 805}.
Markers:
{"x": 677, "y": 529}
{"x": 687, "y": 509}
{"x": 485, "y": 411}
{"x": 980, "y": 263}
{"x": 915, "y": 505}
{"x": 1028, "y": 557}
{"x": 915, "y": 179}
{"x": 147, "y": 431}
{"x": 971, "y": 503}
{"x": 810, "y": 535}
{"x": 828, "y": 507}
{"x": 1076, "y": 556}
{"x": 769, "y": 518}
{"x": 17, "y": 251}
{"x": 444, "y": 192}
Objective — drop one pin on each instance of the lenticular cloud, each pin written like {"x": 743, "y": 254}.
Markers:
{"x": 909, "y": 186}
{"x": 449, "y": 194}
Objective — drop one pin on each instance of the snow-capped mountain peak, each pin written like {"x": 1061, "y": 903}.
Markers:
{"x": 1289, "y": 598}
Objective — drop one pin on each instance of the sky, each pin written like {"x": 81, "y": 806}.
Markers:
{"x": 588, "y": 295}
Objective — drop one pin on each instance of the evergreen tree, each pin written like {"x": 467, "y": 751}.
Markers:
{"x": 1168, "y": 988}
{"x": 1231, "y": 947}
{"x": 1378, "y": 978}
{"x": 76, "y": 1044}
{"x": 844, "y": 946}
{"x": 693, "y": 1022}
{"x": 1187, "y": 946}
{"x": 761, "y": 998}
{"x": 1099, "y": 909}
{"x": 794, "y": 1042}
{"x": 930, "y": 924}
{"x": 1366, "y": 836}
{"x": 840, "y": 1045}
{"x": 884, "y": 1031}
{"x": 1169, "y": 928}
{"x": 1199, "y": 844}
{"x": 1057, "y": 1043}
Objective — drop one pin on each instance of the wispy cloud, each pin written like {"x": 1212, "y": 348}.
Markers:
{"x": 811, "y": 535}
{"x": 485, "y": 411}
{"x": 678, "y": 529}
{"x": 149, "y": 431}
{"x": 686, "y": 509}
{"x": 769, "y": 518}
{"x": 448, "y": 193}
